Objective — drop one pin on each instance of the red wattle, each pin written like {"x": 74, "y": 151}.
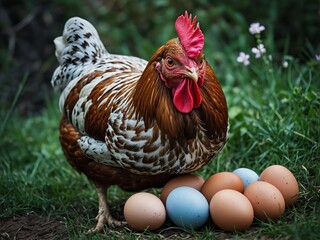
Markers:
{"x": 186, "y": 96}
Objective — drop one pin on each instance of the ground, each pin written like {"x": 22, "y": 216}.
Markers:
{"x": 33, "y": 227}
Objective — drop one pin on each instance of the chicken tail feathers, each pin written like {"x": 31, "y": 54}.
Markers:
{"x": 79, "y": 45}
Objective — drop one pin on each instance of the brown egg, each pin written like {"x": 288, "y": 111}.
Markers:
{"x": 284, "y": 180}
{"x": 231, "y": 210}
{"x": 220, "y": 181}
{"x": 144, "y": 211}
{"x": 186, "y": 180}
{"x": 266, "y": 200}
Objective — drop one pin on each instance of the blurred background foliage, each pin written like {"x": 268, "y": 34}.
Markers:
{"x": 138, "y": 28}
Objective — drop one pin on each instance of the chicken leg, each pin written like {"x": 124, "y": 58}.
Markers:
{"x": 104, "y": 216}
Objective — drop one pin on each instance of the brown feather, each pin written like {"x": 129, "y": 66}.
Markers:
{"x": 213, "y": 111}
{"x": 152, "y": 101}
{"x": 73, "y": 96}
{"x": 100, "y": 173}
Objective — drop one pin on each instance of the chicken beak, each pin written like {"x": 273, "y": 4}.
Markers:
{"x": 192, "y": 73}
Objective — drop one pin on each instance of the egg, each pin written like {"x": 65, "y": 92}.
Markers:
{"x": 220, "y": 181}
{"x": 247, "y": 175}
{"x": 144, "y": 211}
{"x": 284, "y": 180}
{"x": 231, "y": 210}
{"x": 266, "y": 200}
{"x": 187, "y": 180}
{"x": 187, "y": 208}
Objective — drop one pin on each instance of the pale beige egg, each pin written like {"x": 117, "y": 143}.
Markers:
{"x": 144, "y": 211}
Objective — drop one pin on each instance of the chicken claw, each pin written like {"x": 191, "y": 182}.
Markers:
{"x": 104, "y": 217}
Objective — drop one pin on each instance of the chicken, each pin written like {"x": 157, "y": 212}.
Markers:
{"x": 133, "y": 123}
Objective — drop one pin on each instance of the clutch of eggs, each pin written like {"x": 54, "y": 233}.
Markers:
{"x": 231, "y": 199}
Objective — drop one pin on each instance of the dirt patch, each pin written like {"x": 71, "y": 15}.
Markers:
{"x": 32, "y": 227}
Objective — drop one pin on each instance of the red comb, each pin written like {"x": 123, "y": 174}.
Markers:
{"x": 189, "y": 34}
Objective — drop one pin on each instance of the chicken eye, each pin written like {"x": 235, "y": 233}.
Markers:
{"x": 170, "y": 62}
{"x": 201, "y": 61}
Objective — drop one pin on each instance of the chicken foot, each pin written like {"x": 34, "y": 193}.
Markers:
{"x": 104, "y": 217}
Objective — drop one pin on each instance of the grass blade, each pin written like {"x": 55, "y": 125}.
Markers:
{"x": 12, "y": 106}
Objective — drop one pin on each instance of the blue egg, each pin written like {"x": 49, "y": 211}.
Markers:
{"x": 187, "y": 207}
{"x": 247, "y": 175}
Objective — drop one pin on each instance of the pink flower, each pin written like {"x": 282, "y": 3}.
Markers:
{"x": 259, "y": 50}
{"x": 243, "y": 58}
{"x": 256, "y": 28}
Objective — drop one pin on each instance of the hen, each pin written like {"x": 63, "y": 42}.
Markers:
{"x": 133, "y": 123}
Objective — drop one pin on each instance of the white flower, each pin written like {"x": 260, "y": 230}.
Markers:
{"x": 318, "y": 58}
{"x": 285, "y": 64}
{"x": 256, "y": 28}
{"x": 243, "y": 58}
{"x": 259, "y": 50}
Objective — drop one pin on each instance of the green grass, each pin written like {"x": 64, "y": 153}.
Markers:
{"x": 274, "y": 118}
